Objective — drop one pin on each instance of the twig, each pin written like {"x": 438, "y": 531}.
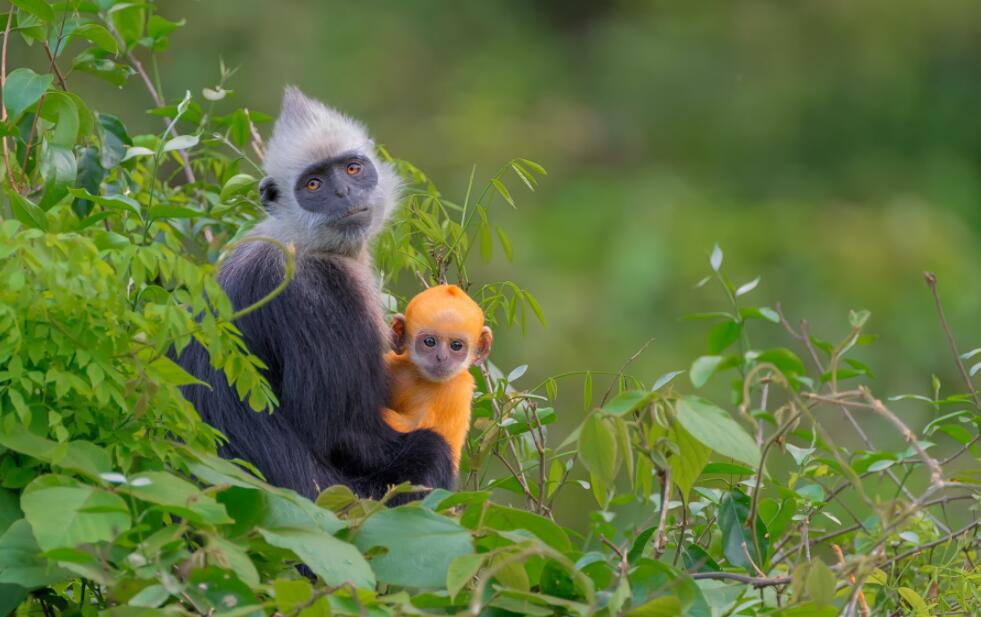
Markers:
{"x": 624, "y": 564}
{"x": 623, "y": 368}
{"x": 3, "y": 108}
{"x": 919, "y": 549}
{"x": 936, "y": 472}
{"x": 742, "y": 578}
{"x": 54, "y": 67}
{"x": 931, "y": 281}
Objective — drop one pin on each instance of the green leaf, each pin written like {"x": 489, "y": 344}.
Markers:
{"x": 60, "y": 109}
{"x": 598, "y": 448}
{"x": 722, "y": 335}
{"x": 81, "y": 456}
{"x": 114, "y": 138}
{"x": 58, "y": 171}
{"x": 128, "y": 20}
{"x": 737, "y": 543}
{"x": 22, "y": 89}
{"x": 89, "y": 178}
{"x": 239, "y": 184}
{"x": 420, "y": 543}
{"x": 703, "y": 368}
{"x": 687, "y": 465}
{"x": 787, "y": 361}
{"x": 665, "y": 606}
{"x": 333, "y": 560}
{"x": 27, "y": 212}
{"x": 919, "y": 606}
{"x": 39, "y": 8}
{"x": 67, "y": 516}
{"x": 503, "y": 518}
{"x": 173, "y": 212}
{"x": 820, "y": 583}
{"x": 181, "y": 142}
{"x": 626, "y": 402}
{"x": 716, "y": 429}
{"x": 20, "y": 560}
{"x": 171, "y": 372}
{"x": 503, "y": 190}
{"x": 97, "y": 35}
{"x": 116, "y": 202}
{"x": 461, "y": 571}
{"x": 177, "y": 496}
{"x": 505, "y": 243}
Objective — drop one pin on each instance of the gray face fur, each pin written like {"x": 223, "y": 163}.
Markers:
{"x": 326, "y": 189}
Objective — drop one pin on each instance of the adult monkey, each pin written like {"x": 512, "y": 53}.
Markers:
{"x": 323, "y": 338}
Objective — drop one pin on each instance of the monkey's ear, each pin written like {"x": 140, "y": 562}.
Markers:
{"x": 268, "y": 191}
{"x": 398, "y": 333}
{"x": 484, "y": 342}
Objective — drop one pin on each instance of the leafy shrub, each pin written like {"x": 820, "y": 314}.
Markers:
{"x": 114, "y": 502}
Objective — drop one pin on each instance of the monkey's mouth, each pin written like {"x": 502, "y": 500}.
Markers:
{"x": 354, "y": 216}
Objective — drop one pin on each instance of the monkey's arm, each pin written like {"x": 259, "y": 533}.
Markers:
{"x": 448, "y": 413}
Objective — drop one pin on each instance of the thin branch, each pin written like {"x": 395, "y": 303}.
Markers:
{"x": 54, "y": 67}
{"x": 3, "y": 108}
{"x": 623, "y": 368}
{"x": 919, "y": 549}
{"x": 931, "y": 281}
{"x": 742, "y": 578}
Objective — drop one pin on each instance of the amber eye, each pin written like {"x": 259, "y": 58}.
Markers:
{"x": 429, "y": 341}
{"x": 313, "y": 184}
{"x": 456, "y": 345}
{"x": 353, "y": 168}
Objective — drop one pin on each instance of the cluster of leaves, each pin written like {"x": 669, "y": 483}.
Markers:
{"x": 107, "y": 260}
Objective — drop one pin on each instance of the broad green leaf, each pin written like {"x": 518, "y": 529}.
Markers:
{"x": 214, "y": 590}
{"x": 173, "y": 373}
{"x": 67, "y": 516}
{"x": 598, "y": 448}
{"x": 27, "y": 212}
{"x": 919, "y": 606}
{"x": 291, "y": 511}
{"x": 22, "y": 89}
{"x": 39, "y": 8}
{"x": 177, "y": 496}
{"x": 181, "y": 142}
{"x": 98, "y": 35}
{"x": 333, "y": 560}
{"x": 716, "y": 429}
{"x": 820, "y": 583}
{"x": 290, "y": 594}
{"x": 81, "y": 456}
{"x": 665, "y": 606}
{"x": 20, "y": 560}
{"x": 128, "y": 20}
{"x": 115, "y": 202}
{"x": 239, "y": 184}
{"x": 737, "y": 543}
{"x": 627, "y": 401}
{"x": 722, "y": 335}
{"x": 784, "y": 359}
{"x": 60, "y": 109}
{"x": 89, "y": 178}
{"x": 703, "y": 368}
{"x": 461, "y": 571}
{"x": 503, "y": 518}
{"x": 114, "y": 138}
{"x": 58, "y": 170}
{"x": 173, "y": 212}
{"x": 420, "y": 543}
{"x": 687, "y": 465}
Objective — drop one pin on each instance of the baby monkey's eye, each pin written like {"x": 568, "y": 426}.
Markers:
{"x": 429, "y": 341}
{"x": 456, "y": 345}
{"x": 353, "y": 168}
{"x": 313, "y": 184}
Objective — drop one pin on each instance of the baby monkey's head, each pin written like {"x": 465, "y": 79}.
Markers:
{"x": 443, "y": 332}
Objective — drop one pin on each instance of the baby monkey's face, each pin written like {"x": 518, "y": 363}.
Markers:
{"x": 441, "y": 355}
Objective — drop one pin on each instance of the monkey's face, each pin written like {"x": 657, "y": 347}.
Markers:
{"x": 440, "y": 355}
{"x": 341, "y": 192}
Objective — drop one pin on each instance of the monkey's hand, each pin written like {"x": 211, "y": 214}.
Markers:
{"x": 397, "y": 421}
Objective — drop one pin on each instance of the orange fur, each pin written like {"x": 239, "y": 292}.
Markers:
{"x": 416, "y": 401}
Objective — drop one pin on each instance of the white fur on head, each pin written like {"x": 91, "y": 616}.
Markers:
{"x": 308, "y": 131}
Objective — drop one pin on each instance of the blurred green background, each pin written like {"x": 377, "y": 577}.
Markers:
{"x": 832, "y": 147}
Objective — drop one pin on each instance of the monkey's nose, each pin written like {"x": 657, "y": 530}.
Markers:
{"x": 342, "y": 191}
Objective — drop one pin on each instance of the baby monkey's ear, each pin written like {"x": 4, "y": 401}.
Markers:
{"x": 483, "y": 345}
{"x": 398, "y": 333}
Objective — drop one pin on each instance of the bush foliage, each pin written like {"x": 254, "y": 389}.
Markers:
{"x": 112, "y": 500}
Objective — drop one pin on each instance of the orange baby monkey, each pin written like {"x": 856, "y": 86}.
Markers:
{"x": 441, "y": 336}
